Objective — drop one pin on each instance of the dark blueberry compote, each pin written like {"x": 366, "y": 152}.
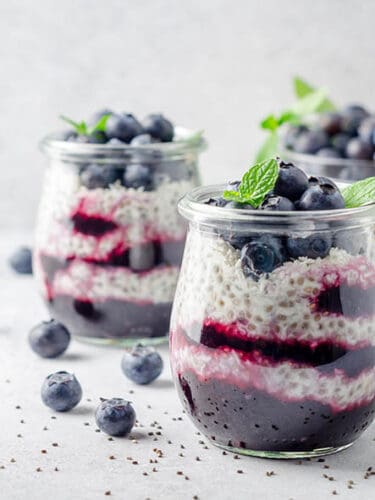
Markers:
{"x": 273, "y": 324}
{"x": 109, "y": 239}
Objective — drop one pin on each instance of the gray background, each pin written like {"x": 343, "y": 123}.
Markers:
{"x": 220, "y": 65}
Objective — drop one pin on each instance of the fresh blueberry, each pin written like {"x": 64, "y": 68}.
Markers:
{"x": 21, "y": 261}
{"x": 352, "y": 116}
{"x": 262, "y": 255}
{"x": 233, "y": 185}
{"x": 328, "y": 153}
{"x": 123, "y": 126}
{"x": 98, "y": 176}
{"x": 291, "y": 181}
{"x": 94, "y": 118}
{"x": 49, "y": 339}
{"x": 115, "y": 142}
{"x": 354, "y": 241}
{"x": 142, "y": 364}
{"x": 137, "y": 176}
{"x": 142, "y": 140}
{"x": 142, "y": 257}
{"x": 158, "y": 127}
{"x": 277, "y": 203}
{"x": 61, "y": 391}
{"x": 292, "y": 135}
{"x": 311, "y": 141}
{"x": 216, "y": 202}
{"x": 340, "y": 142}
{"x": 313, "y": 246}
{"x": 359, "y": 150}
{"x": 322, "y": 194}
{"x": 330, "y": 122}
{"x": 366, "y": 130}
{"x": 115, "y": 417}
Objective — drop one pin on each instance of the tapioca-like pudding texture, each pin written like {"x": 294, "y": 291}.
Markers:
{"x": 109, "y": 238}
{"x": 274, "y": 351}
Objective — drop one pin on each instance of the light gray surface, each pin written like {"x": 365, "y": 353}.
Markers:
{"x": 85, "y": 469}
{"x": 215, "y": 64}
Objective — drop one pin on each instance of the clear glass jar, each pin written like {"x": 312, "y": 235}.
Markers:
{"x": 107, "y": 256}
{"x": 272, "y": 334}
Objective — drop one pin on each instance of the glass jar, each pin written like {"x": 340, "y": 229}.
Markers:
{"x": 272, "y": 334}
{"x": 109, "y": 239}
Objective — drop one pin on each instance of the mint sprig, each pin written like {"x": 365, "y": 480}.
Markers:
{"x": 360, "y": 193}
{"x": 82, "y": 128}
{"x": 255, "y": 184}
{"x": 309, "y": 101}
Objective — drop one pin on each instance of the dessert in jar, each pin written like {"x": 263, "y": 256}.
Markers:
{"x": 109, "y": 239}
{"x": 273, "y": 326}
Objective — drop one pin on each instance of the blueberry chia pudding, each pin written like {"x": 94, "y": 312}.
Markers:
{"x": 109, "y": 239}
{"x": 273, "y": 325}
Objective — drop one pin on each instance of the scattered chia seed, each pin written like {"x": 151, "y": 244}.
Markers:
{"x": 270, "y": 473}
{"x": 240, "y": 471}
{"x": 18, "y": 407}
{"x": 107, "y": 493}
{"x": 134, "y": 462}
{"x": 145, "y": 473}
{"x": 38, "y": 469}
{"x": 334, "y": 492}
{"x": 12, "y": 460}
{"x": 43, "y": 451}
{"x": 56, "y": 469}
{"x": 180, "y": 473}
{"x": 112, "y": 457}
{"x": 55, "y": 444}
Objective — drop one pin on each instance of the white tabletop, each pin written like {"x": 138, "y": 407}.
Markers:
{"x": 62, "y": 456}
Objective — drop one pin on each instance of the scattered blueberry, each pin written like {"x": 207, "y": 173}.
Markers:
{"x": 311, "y": 141}
{"x": 158, "y": 127}
{"x": 49, "y": 339}
{"x": 137, "y": 176}
{"x": 123, "y": 126}
{"x": 314, "y": 246}
{"x": 323, "y": 194}
{"x": 262, "y": 255}
{"x": 277, "y": 203}
{"x": 340, "y": 142}
{"x": 115, "y": 417}
{"x": 366, "y": 130}
{"x": 61, "y": 391}
{"x": 291, "y": 182}
{"x": 352, "y": 116}
{"x": 142, "y": 364}
{"x": 21, "y": 261}
{"x": 99, "y": 176}
{"x": 142, "y": 140}
{"x": 359, "y": 150}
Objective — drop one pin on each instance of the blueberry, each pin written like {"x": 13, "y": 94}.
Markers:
{"x": 115, "y": 142}
{"x": 292, "y": 135}
{"x": 216, "y": 202}
{"x": 233, "y": 185}
{"x": 330, "y": 122}
{"x": 49, "y": 339}
{"x": 322, "y": 194}
{"x": 291, "y": 181}
{"x": 352, "y": 116}
{"x": 158, "y": 127}
{"x": 97, "y": 137}
{"x": 357, "y": 149}
{"x": 262, "y": 255}
{"x": 313, "y": 246}
{"x": 142, "y": 364}
{"x": 137, "y": 176}
{"x": 98, "y": 177}
{"x": 142, "y": 140}
{"x": 21, "y": 260}
{"x": 277, "y": 203}
{"x": 115, "y": 417}
{"x": 94, "y": 118}
{"x": 340, "y": 142}
{"x": 142, "y": 257}
{"x": 123, "y": 126}
{"x": 354, "y": 241}
{"x": 311, "y": 141}
{"x": 366, "y": 130}
{"x": 61, "y": 391}
{"x": 328, "y": 153}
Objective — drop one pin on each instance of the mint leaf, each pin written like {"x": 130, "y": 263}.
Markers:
{"x": 310, "y": 103}
{"x": 79, "y": 127}
{"x": 270, "y": 123}
{"x": 255, "y": 184}
{"x": 195, "y": 138}
{"x": 360, "y": 193}
{"x": 303, "y": 89}
{"x": 100, "y": 125}
{"x": 269, "y": 148}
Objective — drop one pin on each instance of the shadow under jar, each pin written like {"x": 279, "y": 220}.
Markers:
{"x": 275, "y": 356}
{"x": 109, "y": 239}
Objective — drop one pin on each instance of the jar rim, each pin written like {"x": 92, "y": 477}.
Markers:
{"x": 193, "y": 208}
{"x": 186, "y": 140}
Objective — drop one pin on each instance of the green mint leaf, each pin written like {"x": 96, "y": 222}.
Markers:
{"x": 79, "y": 127}
{"x": 269, "y": 148}
{"x": 303, "y": 89}
{"x": 309, "y": 104}
{"x": 360, "y": 193}
{"x": 100, "y": 125}
{"x": 255, "y": 184}
{"x": 270, "y": 123}
{"x": 195, "y": 138}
